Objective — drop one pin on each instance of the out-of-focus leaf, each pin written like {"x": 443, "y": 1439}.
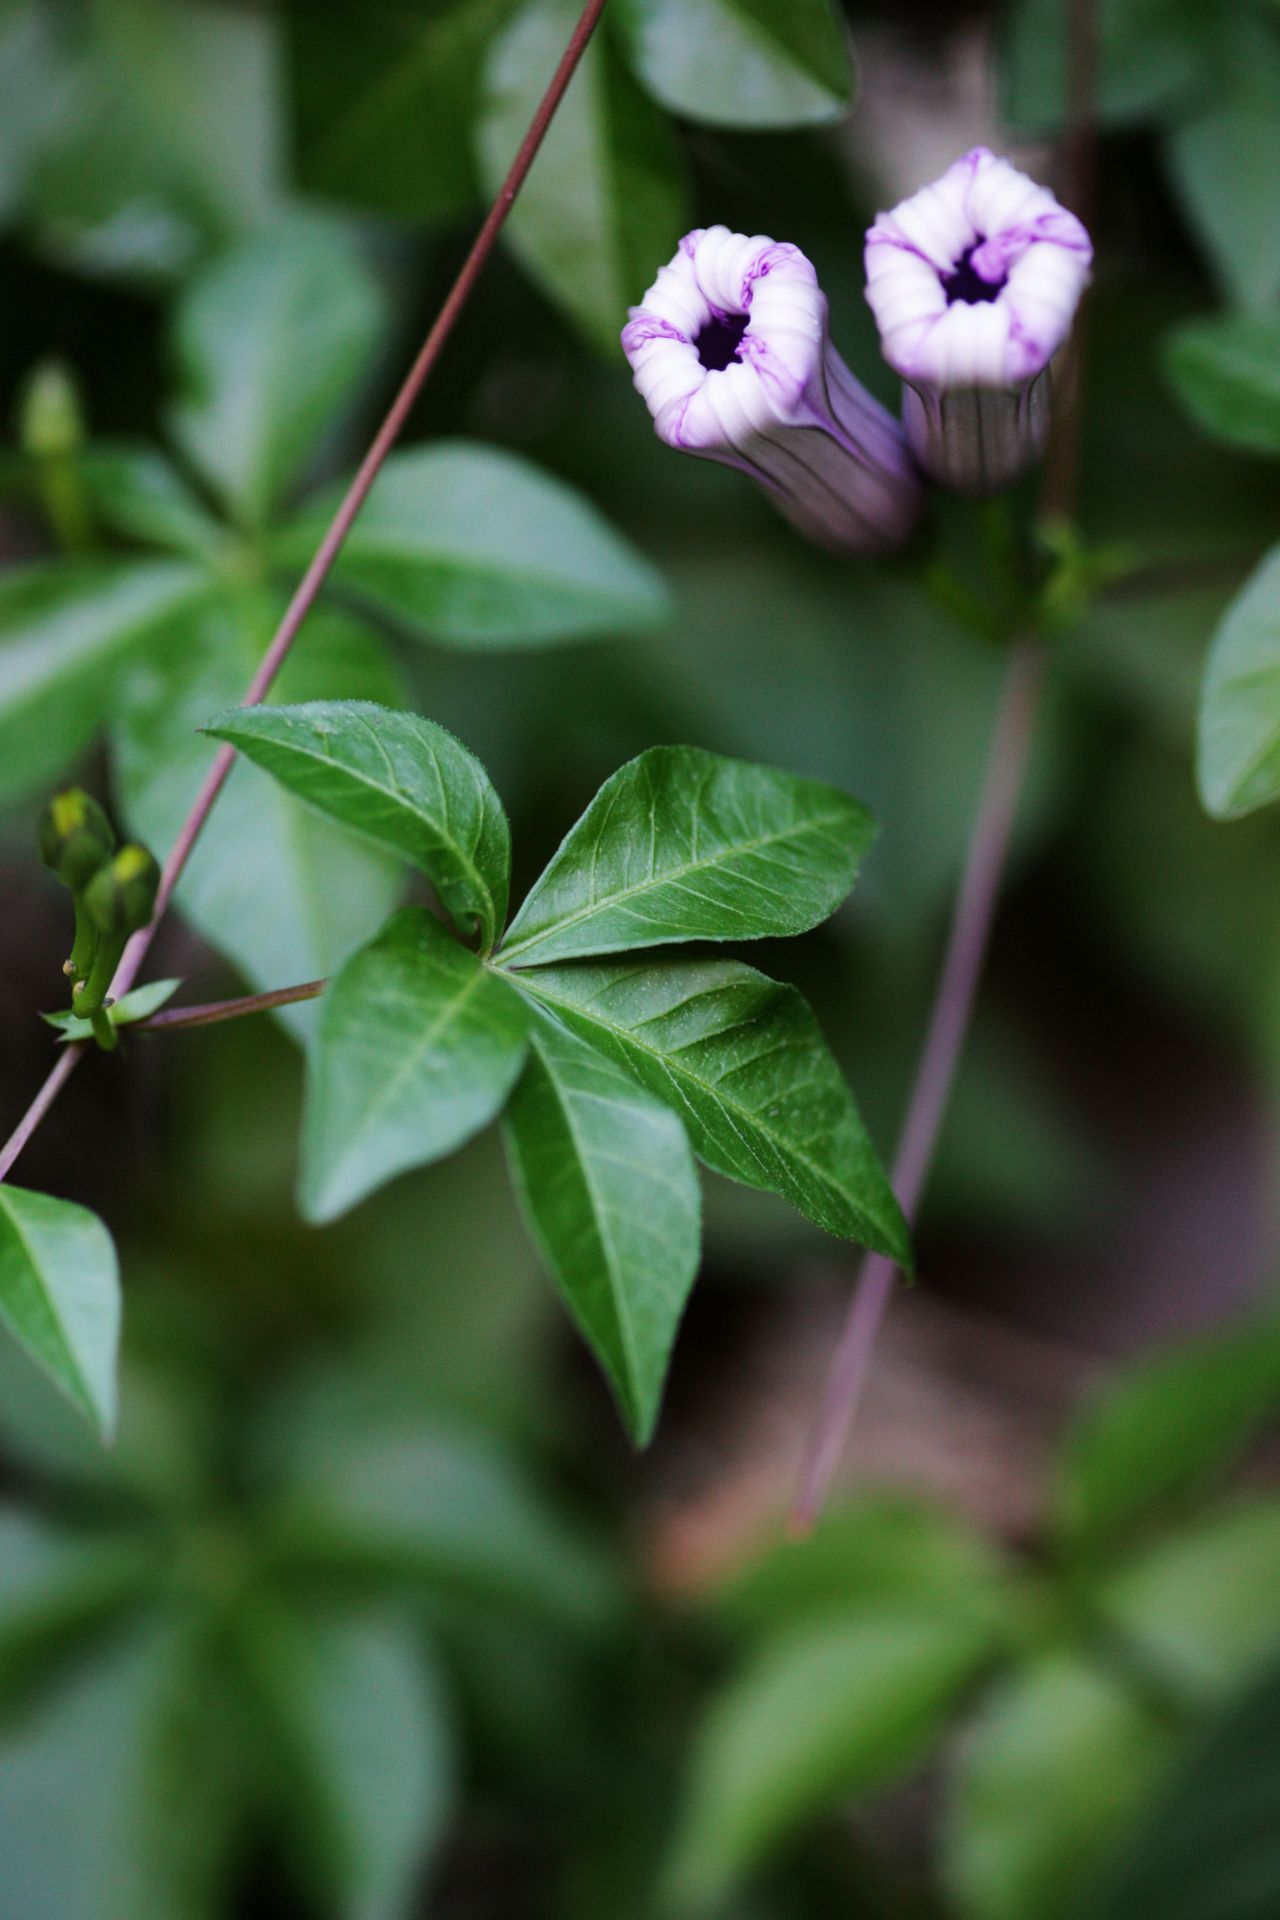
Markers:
{"x": 133, "y": 490}
{"x": 1202, "y": 1604}
{"x": 400, "y": 781}
{"x": 270, "y": 342}
{"x": 60, "y": 1296}
{"x": 1238, "y": 750}
{"x": 1150, "y": 60}
{"x": 57, "y": 1585}
{"x": 685, "y": 845}
{"x": 834, "y": 1709}
{"x": 284, "y": 895}
{"x": 1225, "y": 159}
{"x": 605, "y": 204}
{"x": 1226, "y": 371}
{"x": 743, "y": 1062}
{"x": 436, "y": 1509}
{"x": 610, "y": 1190}
{"x": 162, "y": 139}
{"x": 138, "y": 1005}
{"x": 742, "y": 63}
{"x": 473, "y": 547}
{"x": 1210, "y": 1849}
{"x": 876, "y": 1553}
{"x": 1049, "y": 1779}
{"x": 33, "y": 60}
{"x": 383, "y": 116}
{"x": 358, "y": 1724}
{"x": 418, "y": 1046}
{"x": 67, "y": 630}
{"x": 130, "y": 1743}
{"x": 1164, "y": 1429}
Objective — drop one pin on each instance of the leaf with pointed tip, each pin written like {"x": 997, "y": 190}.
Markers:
{"x": 473, "y": 547}
{"x": 743, "y": 1062}
{"x": 417, "y": 1048}
{"x": 60, "y": 1296}
{"x": 686, "y": 845}
{"x": 400, "y": 781}
{"x": 1238, "y": 750}
{"x": 741, "y": 63}
{"x": 608, "y": 1185}
{"x": 138, "y": 1005}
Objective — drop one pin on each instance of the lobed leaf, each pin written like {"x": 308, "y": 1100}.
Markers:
{"x": 685, "y": 845}
{"x": 744, "y": 1064}
{"x": 60, "y": 1296}
{"x": 473, "y": 547}
{"x": 398, "y": 780}
{"x": 608, "y": 1186}
{"x": 417, "y": 1048}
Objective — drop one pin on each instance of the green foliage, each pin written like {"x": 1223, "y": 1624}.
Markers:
{"x": 417, "y": 1048}
{"x": 1150, "y": 61}
{"x": 1226, "y": 371}
{"x": 60, "y": 1296}
{"x": 742, "y": 63}
{"x": 680, "y": 845}
{"x": 1238, "y": 754}
{"x": 609, "y": 1188}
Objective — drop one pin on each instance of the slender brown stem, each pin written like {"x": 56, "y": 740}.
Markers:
{"x": 316, "y": 574}
{"x": 175, "y": 1019}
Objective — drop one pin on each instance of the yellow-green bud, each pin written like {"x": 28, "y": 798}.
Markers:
{"x": 121, "y": 897}
{"x": 50, "y": 419}
{"x": 76, "y": 838}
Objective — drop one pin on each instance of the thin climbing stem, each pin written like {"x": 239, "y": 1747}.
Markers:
{"x": 177, "y": 1019}
{"x": 327, "y": 552}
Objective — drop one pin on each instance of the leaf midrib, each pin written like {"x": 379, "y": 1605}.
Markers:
{"x": 738, "y": 851}
{"x": 69, "y": 1356}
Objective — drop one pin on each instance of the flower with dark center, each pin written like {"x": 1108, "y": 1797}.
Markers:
{"x": 731, "y": 353}
{"x": 974, "y": 283}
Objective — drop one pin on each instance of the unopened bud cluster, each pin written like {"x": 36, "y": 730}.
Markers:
{"x": 113, "y": 890}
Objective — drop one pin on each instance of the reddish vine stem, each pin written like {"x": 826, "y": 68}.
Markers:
{"x": 974, "y": 912}
{"x": 316, "y": 574}
{"x": 175, "y": 1019}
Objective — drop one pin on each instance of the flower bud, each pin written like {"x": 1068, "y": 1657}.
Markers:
{"x": 121, "y": 897}
{"x": 76, "y": 838}
{"x": 50, "y": 420}
{"x": 731, "y": 354}
{"x": 974, "y": 282}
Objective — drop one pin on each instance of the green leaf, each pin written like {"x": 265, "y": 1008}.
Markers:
{"x": 744, "y": 1064}
{"x": 134, "y": 491}
{"x": 270, "y": 342}
{"x": 135, "y": 1741}
{"x": 57, "y": 1586}
{"x": 383, "y": 116}
{"x": 1151, "y": 59}
{"x": 834, "y": 1710}
{"x": 742, "y": 63}
{"x": 358, "y": 1726}
{"x": 1202, "y": 1604}
{"x": 1210, "y": 1849}
{"x": 685, "y": 845}
{"x": 67, "y": 629}
{"x": 138, "y": 1005}
{"x": 472, "y": 547}
{"x": 610, "y": 1192}
{"x": 398, "y": 780}
{"x": 60, "y": 1296}
{"x": 431, "y": 1508}
{"x": 1061, "y": 1758}
{"x": 606, "y": 203}
{"x": 417, "y": 1048}
{"x": 1238, "y": 749}
{"x": 284, "y": 895}
{"x": 1225, "y": 160}
{"x": 1226, "y": 372}
{"x": 1164, "y": 1429}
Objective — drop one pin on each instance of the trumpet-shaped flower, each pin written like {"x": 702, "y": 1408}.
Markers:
{"x": 731, "y": 353}
{"x": 974, "y": 282}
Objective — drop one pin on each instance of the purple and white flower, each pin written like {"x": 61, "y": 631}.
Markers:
{"x": 974, "y": 283}
{"x": 731, "y": 353}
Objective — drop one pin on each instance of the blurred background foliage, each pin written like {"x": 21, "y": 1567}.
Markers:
{"x": 371, "y": 1612}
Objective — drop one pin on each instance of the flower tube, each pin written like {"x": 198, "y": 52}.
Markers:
{"x": 730, "y": 352}
{"x": 974, "y": 282}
